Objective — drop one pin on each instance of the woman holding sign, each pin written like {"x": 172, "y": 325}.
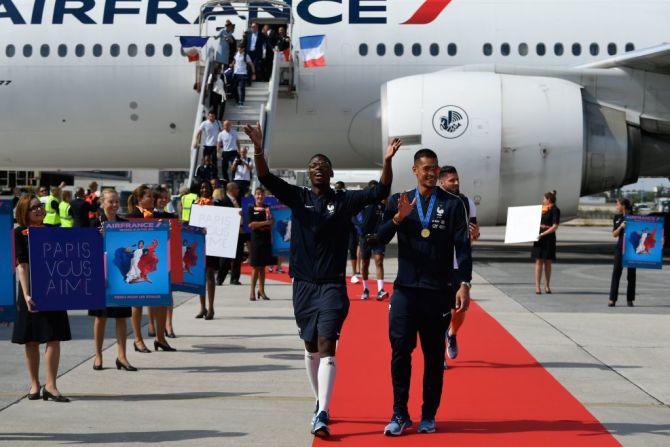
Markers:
{"x": 110, "y": 206}
{"x": 260, "y": 222}
{"x": 544, "y": 249}
{"x": 141, "y": 205}
{"x": 623, "y": 208}
{"x": 211, "y": 263}
{"x": 32, "y": 326}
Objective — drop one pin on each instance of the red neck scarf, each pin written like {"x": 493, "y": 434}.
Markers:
{"x": 146, "y": 213}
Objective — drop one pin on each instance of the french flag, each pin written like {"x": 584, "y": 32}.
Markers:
{"x": 191, "y": 45}
{"x": 312, "y": 50}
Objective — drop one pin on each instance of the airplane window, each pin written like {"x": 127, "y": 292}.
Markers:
{"x": 611, "y": 49}
{"x": 381, "y": 49}
{"x": 150, "y": 50}
{"x": 115, "y": 50}
{"x": 558, "y": 49}
{"x": 630, "y": 47}
{"x": 10, "y": 51}
{"x": 594, "y": 49}
{"x": 44, "y": 50}
{"x": 132, "y": 50}
{"x": 97, "y": 50}
{"x": 576, "y": 49}
{"x": 434, "y": 49}
{"x": 416, "y": 49}
{"x": 541, "y": 49}
{"x": 488, "y": 49}
{"x": 523, "y": 49}
{"x": 398, "y": 49}
{"x": 504, "y": 49}
{"x": 167, "y": 50}
{"x": 27, "y": 50}
{"x": 80, "y": 50}
{"x": 452, "y": 49}
{"x": 363, "y": 49}
{"x": 62, "y": 50}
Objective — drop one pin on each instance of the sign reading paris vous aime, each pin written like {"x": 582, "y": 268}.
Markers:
{"x": 66, "y": 268}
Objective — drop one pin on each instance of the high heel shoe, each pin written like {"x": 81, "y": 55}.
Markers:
{"x": 47, "y": 395}
{"x": 127, "y": 367}
{"x": 164, "y": 347}
{"x": 170, "y": 334}
{"x": 210, "y": 315}
{"x": 202, "y": 314}
{"x": 547, "y": 291}
{"x": 253, "y": 298}
{"x": 35, "y": 395}
{"x": 263, "y": 297}
{"x": 97, "y": 367}
{"x": 144, "y": 350}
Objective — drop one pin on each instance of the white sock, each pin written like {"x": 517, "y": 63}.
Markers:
{"x": 380, "y": 285}
{"x": 365, "y": 284}
{"x": 327, "y": 371}
{"x": 312, "y": 367}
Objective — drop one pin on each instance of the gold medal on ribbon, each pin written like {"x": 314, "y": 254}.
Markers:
{"x": 425, "y": 233}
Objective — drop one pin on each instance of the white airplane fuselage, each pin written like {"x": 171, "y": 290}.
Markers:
{"x": 87, "y": 111}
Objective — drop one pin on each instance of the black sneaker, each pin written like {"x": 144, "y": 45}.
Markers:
{"x": 320, "y": 426}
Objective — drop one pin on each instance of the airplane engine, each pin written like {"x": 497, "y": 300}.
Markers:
{"x": 512, "y": 138}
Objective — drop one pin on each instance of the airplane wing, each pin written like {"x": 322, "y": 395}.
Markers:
{"x": 654, "y": 59}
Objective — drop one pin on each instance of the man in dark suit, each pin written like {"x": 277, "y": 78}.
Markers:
{"x": 255, "y": 43}
{"x": 270, "y": 43}
{"x": 79, "y": 209}
{"x": 226, "y": 264}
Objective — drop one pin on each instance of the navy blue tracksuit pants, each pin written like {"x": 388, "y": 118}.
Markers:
{"x": 428, "y": 313}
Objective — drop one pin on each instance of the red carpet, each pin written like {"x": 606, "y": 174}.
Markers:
{"x": 495, "y": 394}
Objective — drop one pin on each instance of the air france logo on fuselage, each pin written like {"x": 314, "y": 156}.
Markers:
{"x": 183, "y": 12}
{"x": 450, "y": 122}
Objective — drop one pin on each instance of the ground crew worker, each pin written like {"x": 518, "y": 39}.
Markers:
{"x": 66, "y": 220}
{"x": 431, "y": 224}
{"x": 52, "y": 218}
{"x": 187, "y": 202}
{"x": 319, "y": 234}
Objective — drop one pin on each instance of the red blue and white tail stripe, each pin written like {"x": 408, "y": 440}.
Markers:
{"x": 312, "y": 48}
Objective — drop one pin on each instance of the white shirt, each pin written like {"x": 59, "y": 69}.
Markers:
{"x": 209, "y": 132}
{"x": 252, "y": 41}
{"x": 228, "y": 140}
{"x": 242, "y": 172}
{"x": 241, "y": 61}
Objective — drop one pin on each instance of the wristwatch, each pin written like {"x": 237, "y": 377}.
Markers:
{"x": 466, "y": 284}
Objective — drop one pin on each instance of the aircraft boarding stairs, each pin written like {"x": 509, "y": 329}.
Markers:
{"x": 259, "y": 107}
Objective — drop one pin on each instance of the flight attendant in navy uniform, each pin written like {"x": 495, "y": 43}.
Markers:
{"x": 431, "y": 224}
{"x": 319, "y": 235}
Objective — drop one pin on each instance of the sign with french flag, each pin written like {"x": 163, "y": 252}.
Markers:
{"x": 191, "y": 46}
{"x": 312, "y": 48}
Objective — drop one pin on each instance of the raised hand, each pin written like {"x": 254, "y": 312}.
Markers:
{"x": 255, "y": 134}
{"x": 392, "y": 148}
{"x": 404, "y": 207}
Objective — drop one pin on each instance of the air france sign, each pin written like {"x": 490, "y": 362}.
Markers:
{"x": 106, "y": 12}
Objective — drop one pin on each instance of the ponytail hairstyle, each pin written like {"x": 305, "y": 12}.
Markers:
{"x": 136, "y": 196}
{"x": 627, "y": 205}
{"x": 551, "y": 196}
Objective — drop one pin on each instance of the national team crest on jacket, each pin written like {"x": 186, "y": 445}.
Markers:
{"x": 450, "y": 122}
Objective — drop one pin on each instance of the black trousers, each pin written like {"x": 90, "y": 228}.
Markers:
{"x": 234, "y": 266}
{"x": 227, "y": 157}
{"x": 617, "y": 270}
{"x": 428, "y": 313}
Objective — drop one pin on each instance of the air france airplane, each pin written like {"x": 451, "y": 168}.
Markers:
{"x": 522, "y": 96}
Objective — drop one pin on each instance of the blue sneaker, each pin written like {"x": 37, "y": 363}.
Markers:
{"x": 452, "y": 346}
{"x": 320, "y": 426}
{"x": 426, "y": 426}
{"x": 366, "y": 294}
{"x": 397, "y": 425}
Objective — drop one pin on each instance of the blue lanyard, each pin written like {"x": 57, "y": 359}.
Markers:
{"x": 425, "y": 219}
